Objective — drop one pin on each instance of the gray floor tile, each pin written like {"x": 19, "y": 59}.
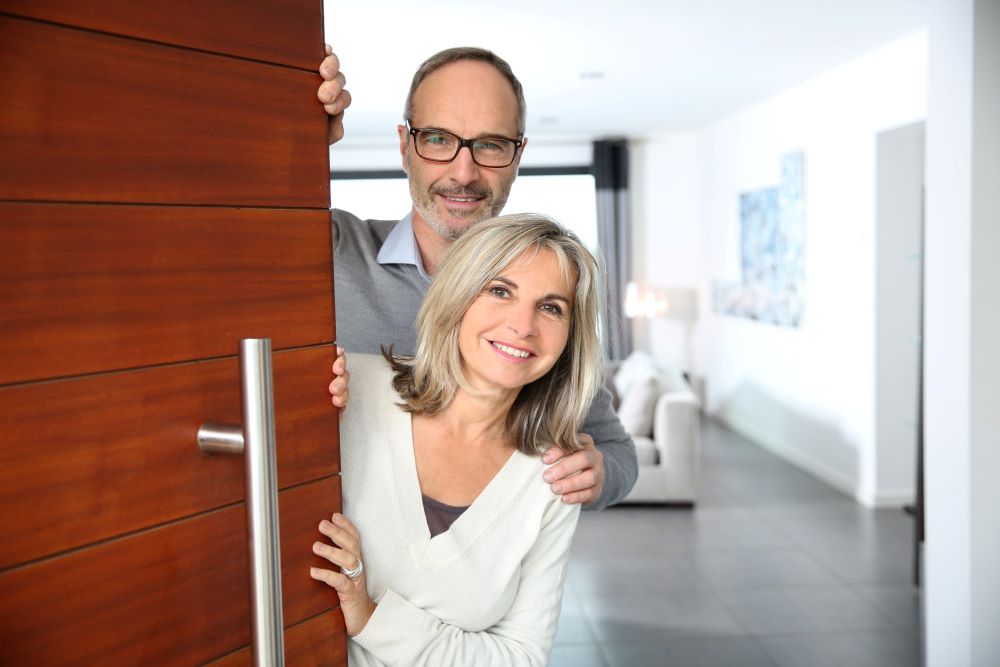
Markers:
{"x": 843, "y": 507}
{"x": 716, "y": 652}
{"x": 736, "y": 534}
{"x": 899, "y": 603}
{"x": 856, "y": 649}
{"x": 858, "y": 544}
{"x": 632, "y": 531}
{"x": 766, "y": 485}
{"x": 580, "y": 655}
{"x": 573, "y": 626}
{"x": 840, "y": 521}
{"x": 634, "y": 574}
{"x": 714, "y": 494}
{"x": 860, "y": 561}
{"x": 804, "y": 610}
{"x": 644, "y": 618}
{"x": 703, "y": 515}
{"x": 769, "y": 557}
{"x": 757, "y": 568}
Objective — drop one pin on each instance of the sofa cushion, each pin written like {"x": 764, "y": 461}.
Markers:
{"x": 637, "y": 366}
{"x": 640, "y": 365}
{"x": 637, "y": 406}
{"x": 645, "y": 452}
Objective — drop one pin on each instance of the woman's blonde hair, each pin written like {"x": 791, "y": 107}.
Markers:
{"x": 550, "y": 410}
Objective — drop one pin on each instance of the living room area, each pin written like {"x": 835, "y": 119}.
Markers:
{"x": 798, "y": 300}
{"x": 830, "y": 351}
{"x": 772, "y": 381}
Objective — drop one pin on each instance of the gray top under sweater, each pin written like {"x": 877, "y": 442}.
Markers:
{"x": 377, "y": 304}
{"x": 440, "y": 516}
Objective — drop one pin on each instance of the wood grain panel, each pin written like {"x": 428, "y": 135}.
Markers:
{"x": 317, "y": 642}
{"x": 321, "y": 641}
{"x": 113, "y": 453}
{"x": 176, "y": 595}
{"x": 280, "y": 31}
{"x": 89, "y": 117}
{"x": 303, "y": 597}
{"x": 156, "y": 285}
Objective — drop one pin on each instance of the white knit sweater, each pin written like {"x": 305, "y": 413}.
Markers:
{"x": 485, "y": 592}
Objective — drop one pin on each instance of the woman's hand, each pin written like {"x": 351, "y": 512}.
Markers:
{"x": 346, "y": 555}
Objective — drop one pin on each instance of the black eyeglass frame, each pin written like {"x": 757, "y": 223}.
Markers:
{"x": 464, "y": 143}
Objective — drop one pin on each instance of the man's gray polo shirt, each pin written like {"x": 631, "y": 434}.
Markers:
{"x": 380, "y": 283}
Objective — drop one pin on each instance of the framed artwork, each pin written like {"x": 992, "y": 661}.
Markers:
{"x": 772, "y": 261}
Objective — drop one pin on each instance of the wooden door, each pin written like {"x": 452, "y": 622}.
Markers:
{"x": 164, "y": 187}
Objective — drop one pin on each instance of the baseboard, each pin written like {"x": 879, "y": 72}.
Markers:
{"x": 894, "y": 499}
{"x": 793, "y": 455}
{"x": 666, "y": 504}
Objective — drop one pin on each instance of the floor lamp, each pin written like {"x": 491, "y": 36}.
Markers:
{"x": 675, "y": 303}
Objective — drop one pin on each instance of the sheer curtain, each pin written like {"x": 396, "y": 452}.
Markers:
{"x": 613, "y": 224}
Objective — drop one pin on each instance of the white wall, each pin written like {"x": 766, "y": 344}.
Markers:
{"x": 962, "y": 378}
{"x": 350, "y": 154}
{"x": 667, "y": 237}
{"x": 807, "y": 393}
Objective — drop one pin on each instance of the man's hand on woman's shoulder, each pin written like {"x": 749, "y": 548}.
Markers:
{"x": 577, "y": 477}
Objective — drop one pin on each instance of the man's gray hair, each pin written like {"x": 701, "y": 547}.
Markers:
{"x": 442, "y": 58}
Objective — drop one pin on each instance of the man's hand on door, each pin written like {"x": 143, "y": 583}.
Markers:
{"x": 332, "y": 94}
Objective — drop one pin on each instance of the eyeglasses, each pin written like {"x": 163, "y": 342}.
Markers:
{"x": 436, "y": 145}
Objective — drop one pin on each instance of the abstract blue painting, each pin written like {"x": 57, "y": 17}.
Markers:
{"x": 772, "y": 260}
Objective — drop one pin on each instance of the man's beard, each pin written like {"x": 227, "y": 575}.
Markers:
{"x": 426, "y": 205}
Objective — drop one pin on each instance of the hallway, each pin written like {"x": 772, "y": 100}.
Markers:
{"x": 772, "y": 567}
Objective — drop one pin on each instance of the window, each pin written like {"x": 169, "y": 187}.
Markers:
{"x": 569, "y": 198}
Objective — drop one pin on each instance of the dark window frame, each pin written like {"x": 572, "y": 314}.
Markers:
{"x": 371, "y": 174}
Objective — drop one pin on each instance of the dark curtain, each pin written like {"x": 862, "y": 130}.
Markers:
{"x": 613, "y": 224}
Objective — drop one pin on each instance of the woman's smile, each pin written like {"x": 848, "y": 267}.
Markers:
{"x": 522, "y": 317}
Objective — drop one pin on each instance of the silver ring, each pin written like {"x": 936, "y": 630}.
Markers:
{"x": 354, "y": 571}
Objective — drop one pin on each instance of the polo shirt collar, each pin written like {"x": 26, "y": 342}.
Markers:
{"x": 400, "y": 246}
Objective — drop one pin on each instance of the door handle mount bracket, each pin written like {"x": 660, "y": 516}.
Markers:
{"x": 218, "y": 438}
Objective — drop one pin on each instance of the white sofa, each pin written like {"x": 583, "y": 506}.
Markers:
{"x": 660, "y": 409}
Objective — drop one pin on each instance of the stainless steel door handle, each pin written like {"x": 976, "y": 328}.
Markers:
{"x": 255, "y": 439}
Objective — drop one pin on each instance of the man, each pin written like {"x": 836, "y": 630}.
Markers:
{"x": 460, "y": 146}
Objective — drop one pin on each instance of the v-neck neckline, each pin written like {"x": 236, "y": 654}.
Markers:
{"x": 427, "y": 551}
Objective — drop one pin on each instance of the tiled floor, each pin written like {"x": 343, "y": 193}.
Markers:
{"x": 771, "y": 568}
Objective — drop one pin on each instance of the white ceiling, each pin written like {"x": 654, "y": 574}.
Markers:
{"x": 593, "y": 68}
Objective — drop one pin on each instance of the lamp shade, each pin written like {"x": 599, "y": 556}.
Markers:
{"x": 673, "y": 302}
{"x": 681, "y": 302}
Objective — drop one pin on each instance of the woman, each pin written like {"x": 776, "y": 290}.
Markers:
{"x": 464, "y": 546}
